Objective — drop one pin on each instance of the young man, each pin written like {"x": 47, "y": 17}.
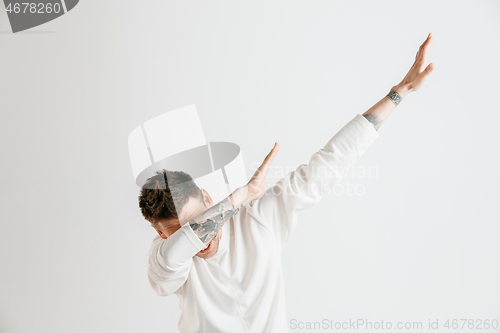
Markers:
{"x": 226, "y": 267}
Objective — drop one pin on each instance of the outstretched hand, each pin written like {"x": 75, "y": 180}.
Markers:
{"x": 418, "y": 73}
{"x": 257, "y": 184}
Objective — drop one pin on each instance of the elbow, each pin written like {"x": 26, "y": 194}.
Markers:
{"x": 163, "y": 288}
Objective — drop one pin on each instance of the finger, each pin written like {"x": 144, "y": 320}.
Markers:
{"x": 424, "y": 48}
{"x": 423, "y": 45}
{"x": 270, "y": 157}
{"x": 264, "y": 168}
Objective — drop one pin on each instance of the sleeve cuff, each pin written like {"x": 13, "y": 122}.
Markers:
{"x": 367, "y": 124}
{"x": 195, "y": 241}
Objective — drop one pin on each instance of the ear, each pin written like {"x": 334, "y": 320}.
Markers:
{"x": 206, "y": 198}
{"x": 162, "y": 235}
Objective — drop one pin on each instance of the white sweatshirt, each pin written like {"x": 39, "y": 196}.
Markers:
{"x": 241, "y": 288}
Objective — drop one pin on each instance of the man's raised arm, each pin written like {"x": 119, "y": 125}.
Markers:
{"x": 305, "y": 186}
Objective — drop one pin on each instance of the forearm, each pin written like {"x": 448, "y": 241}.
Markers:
{"x": 207, "y": 224}
{"x": 378, "y": 113}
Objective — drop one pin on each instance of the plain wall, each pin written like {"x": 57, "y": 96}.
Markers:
{"x": 422, "y": 240}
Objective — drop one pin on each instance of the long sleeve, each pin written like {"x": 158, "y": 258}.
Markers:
{"x": 170, "y": 260}
{"x": 277, "y": 210}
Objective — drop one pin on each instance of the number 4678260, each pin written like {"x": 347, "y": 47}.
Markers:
{"x": 33, "y": 8}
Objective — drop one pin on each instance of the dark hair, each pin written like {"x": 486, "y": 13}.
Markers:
{"x": 159, "y": 197}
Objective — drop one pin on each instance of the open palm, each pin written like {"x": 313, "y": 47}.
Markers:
{"x": 257, "y": 184}
{"x": 418, "y": 72}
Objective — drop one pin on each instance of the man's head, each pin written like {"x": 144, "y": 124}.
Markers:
{"x": 159, "y": 198}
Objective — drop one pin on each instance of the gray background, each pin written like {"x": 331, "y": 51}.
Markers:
{"x": 421, "y": 243}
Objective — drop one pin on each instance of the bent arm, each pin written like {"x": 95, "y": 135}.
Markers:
{"x": 202, "y": 229}
{"x": 170, "y": 259}
{"x": 207, "y": 224}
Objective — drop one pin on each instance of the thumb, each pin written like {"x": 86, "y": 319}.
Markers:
{"x": 429, "y": 68}
{"x": 420, "y": 79}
